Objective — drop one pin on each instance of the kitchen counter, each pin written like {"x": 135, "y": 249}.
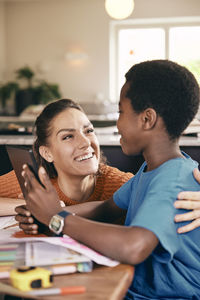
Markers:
{"x": 106, "y": 138}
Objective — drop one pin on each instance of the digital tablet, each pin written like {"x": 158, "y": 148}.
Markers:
{"x": 18, "y": 157}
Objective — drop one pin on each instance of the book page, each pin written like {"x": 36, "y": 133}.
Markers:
{"x": 8, "y": 235}
{"x": 41, "y": 254}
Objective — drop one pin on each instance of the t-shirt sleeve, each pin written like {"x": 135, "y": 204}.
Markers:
{"x": 122, "y": 196}
{"x": 157, "y": 212}
{"x": 157, "y": 215}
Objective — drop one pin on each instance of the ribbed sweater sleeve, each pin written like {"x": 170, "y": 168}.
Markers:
{"x": 9, "y": 186}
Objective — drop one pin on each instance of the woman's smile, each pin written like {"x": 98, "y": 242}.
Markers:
{"x": 84, "y": 157}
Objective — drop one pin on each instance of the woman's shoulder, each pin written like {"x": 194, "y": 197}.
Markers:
{"x": 9, "y": 178}
{"x": 114, "y": 173}
{"x": 109, "y": 180}
{"x": 9, "y": 186}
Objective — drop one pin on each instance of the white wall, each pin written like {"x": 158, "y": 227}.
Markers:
{"x": 40, "y": 32}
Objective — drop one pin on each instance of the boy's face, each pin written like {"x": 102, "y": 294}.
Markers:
{"x": 129, "y": 125}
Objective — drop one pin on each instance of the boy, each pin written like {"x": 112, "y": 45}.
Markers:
{"x": 157, "y": 102}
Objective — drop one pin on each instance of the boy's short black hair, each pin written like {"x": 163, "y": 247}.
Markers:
{"x": 170, "y": 89}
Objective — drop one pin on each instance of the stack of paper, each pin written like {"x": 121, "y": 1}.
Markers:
{"x": 62, "y": 254}
{"x": 58, "y": 258}
{"x": 8, "y": 254}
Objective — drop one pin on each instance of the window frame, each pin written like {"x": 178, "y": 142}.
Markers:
{"x": 116, "y": 26}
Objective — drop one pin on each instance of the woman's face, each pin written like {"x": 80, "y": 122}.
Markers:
{"x": 73, "y": 146}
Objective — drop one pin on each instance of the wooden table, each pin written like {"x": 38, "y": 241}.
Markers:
{"x": 103, "y": 283}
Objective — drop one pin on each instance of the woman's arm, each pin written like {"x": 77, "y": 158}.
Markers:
{"x": 189, "y": 201}
{"x": 8, "y": 205}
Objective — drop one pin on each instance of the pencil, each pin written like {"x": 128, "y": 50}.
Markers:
{"x": 59, "y": 291}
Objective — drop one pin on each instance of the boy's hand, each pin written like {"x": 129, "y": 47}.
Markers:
{"x": 26, "y": 222}
{"x": 189, "y": 201}
{"x": 42, "y": 202}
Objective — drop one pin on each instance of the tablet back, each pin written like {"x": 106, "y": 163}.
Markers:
{"x": 18, "y": 157}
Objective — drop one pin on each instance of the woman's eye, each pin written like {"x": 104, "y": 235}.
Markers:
{"x": 90, "y": 130}
{"x": 67, "y": 137}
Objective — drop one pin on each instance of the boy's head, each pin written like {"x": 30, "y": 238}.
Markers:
{"x": 170, "y": 89}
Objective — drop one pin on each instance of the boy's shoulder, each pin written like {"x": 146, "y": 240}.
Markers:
{"x": 176, "y": 173}
{"x": 180, "y": 164}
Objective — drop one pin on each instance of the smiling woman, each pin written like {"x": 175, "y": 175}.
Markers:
{"x": 67, "y": 147}
{"x": 71, "y": 149}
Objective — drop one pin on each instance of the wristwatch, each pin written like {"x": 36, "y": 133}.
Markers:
{"x": 57, "y": 222}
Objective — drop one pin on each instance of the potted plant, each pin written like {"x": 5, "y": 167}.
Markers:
{"x": 36, "y": 91}
{"x": 24, "y": 96}
{"x": 33, "y": 92}
{"x": 6, "y": 91}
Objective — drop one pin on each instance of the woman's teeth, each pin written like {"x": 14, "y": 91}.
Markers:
{"x": 84, "y": 157}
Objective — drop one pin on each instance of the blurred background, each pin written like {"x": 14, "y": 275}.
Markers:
{"x": 74, "y": 49}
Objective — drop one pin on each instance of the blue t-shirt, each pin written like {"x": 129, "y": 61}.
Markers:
{"x": 172, "y": 271}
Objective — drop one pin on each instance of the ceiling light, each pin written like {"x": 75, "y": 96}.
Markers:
{"x": 119, "y": 9}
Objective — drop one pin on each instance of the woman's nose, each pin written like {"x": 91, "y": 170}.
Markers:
{"x": 83, "y": 141}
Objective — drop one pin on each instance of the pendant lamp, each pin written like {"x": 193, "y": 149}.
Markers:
{"x": 119, "y": 9}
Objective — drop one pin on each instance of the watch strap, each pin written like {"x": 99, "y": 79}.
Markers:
{"x": 59, "y": 216}
{"x": 64, "y": 213}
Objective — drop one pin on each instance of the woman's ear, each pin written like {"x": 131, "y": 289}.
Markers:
{"x": 46, "y": 153}
{"x": 149, "y": 118}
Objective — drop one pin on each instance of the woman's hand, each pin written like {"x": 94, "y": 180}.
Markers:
{"x": 26, "y": 222}
{"x": 41, "y": 201}
{"x": 189, "y": 201}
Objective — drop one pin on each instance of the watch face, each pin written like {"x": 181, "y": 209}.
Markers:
{"x": 56, "y": 224}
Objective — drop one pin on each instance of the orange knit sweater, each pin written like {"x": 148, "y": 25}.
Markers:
{"x": 107, "y": 183}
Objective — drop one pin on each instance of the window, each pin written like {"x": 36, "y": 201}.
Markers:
{"x": 133, "y": 41}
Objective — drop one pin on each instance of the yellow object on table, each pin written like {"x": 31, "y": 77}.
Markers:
{"x": 28, "y": 278}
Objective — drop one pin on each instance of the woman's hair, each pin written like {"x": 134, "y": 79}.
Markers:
{"x": 43, "y": 129}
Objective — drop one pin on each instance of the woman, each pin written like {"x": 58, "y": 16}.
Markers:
{"x": 67, "y": 147}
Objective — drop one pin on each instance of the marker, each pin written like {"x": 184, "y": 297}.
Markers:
{"x": 59, "y": 291}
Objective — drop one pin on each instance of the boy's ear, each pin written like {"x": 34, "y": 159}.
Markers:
{"x": 149, "y": 118}
{"x": 46, "y": 153}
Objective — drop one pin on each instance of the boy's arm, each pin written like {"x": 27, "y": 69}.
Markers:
{"x": 102, "y": 211}
{"x": 129, "y": 245}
